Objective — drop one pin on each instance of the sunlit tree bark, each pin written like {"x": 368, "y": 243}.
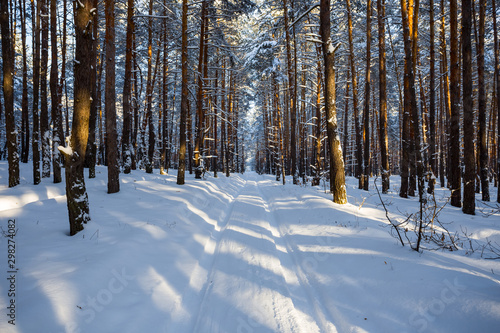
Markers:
{"x": 337, "y": 175}
{"x": 74, "y": 153}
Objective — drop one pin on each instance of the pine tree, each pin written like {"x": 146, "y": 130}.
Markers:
{"x": 8, "y": 93}
{"x": 184, "y": 98}
{"x": 110, "y": 96}
{"x": 74, "y": 153}
{"x": 337, "y": 176}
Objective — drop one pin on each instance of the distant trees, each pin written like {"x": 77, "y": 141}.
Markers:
{"x": 426, "y": 140}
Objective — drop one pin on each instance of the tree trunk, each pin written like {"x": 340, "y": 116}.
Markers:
{"x": 8, "y": 94}
{"x": 229, "y": 127}
{"x": 134, "y": 105}
{"x": 497, "y": 78}
{"x": 44, "y": 111}
{"x": 447, "y": 96}
{"x": 292, "y": 95}
{"x": 317, "y": 151}
{"x": 35, "y": 13}
{"x": 200, "y": 113}
{"x": 91, "y": 155}
{"x": 216, "y": 119}
{"x": 55, "y": 98}
{"x": 164, "y": 127}
{"x": 76, "y": 193}
{"x": 412, "y": 104}
{"x": 337, "y": 175}
{"x": 127, "y": 91}
{"x": 184, "y": 97}
{"x": 366, "y": 111}
{"x": 469, "y": 202}
{"x": 359, "y": 151}
{"x": 149, "y": 94}
{"x": 383, "y": 138}
{"x": 482, "y": 135}
{"x": 25, "y": 125}
{"x": 110, "y": 96}
{"x": 62, "y": 80}
{"x": 454, "y": 143}
{"x": 432, "y": 103}
{"x": 280, "y": 167}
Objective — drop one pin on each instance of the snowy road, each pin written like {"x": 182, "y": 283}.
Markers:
{"x": 253, "y": 284}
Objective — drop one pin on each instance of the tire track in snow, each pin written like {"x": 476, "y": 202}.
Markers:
{"x": 319, "y": 312}
{"x": 246, "y": 289}
{"x": 327, "y": 314}
{"x": 200, "y": 276}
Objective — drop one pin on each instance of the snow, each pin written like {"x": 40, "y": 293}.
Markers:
{"x": 240, "y": 254}
{"x": 68, "y": 150}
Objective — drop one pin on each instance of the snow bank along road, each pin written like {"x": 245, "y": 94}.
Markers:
{"x": 238, "y": 254}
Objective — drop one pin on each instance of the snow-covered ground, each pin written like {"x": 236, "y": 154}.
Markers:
{"x": 239, "y": 254}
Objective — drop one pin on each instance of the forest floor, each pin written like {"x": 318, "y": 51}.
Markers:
{"x": 242, "y": 254}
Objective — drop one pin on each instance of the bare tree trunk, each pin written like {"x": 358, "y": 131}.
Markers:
{"x": 200, "y": 113}
{"x": 55, "y": 98}
{"x": 447, "y": 96}
{"x": 8, "y": 94}
{"x": 35, "y": 13}
{"x": 149, "y": 94}
{"x": 317, "y": 151}
{"x": 224, "y": 117}
{"x": 91, "y": 155}
{"x": 112, "y": 141}
{"x": 482, "y": 135}
{"x": 280, "y": 168}
{"x": 454, "y": 145}
{"x": 383, "y": 137}
{"x": 469, "y": 202}
{"x": 44, "y": 111}
{"x": 134, "y": 105}
{"x": 216, "y": 120}
{"x": 497, "y": 78}
{"x": 432, "y": 103}
{"x": 292, "y": 94}
{"x": 366, "y": 111}
{"x": 127, "y": 91}
{"x": 184, "y": 97}
{"x": 337, "y": 175}
{"x": 164, "y": 127}
{"x": 346, "y": 121}
{"x": 412, "y": 104}
{"x": 359, "y": 151}
{"x": 229, "y": 127}
{"x": 62, "y": 80}
{"x": 74, "y": 153}
{"x": 25, "y": 125}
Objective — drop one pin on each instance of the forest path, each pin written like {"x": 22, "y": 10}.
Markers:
{"x": 255, "y": 283}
